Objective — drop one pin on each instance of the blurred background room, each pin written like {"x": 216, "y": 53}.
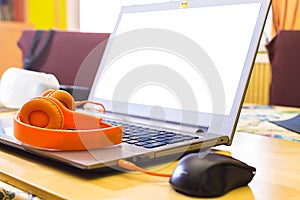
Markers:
{"x": 100, "y": 16}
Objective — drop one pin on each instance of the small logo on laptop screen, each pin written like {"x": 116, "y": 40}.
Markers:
{"x": 184, "y": 4}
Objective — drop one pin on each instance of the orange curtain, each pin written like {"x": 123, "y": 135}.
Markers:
{"x": 286, "y": 15}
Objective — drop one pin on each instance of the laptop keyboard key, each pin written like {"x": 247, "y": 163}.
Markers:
{"x": 141, "y": 143}
{"x": 153, "y": 145}
{"x": 143, "y": 139}
{"x": 172, "y": 141}
{"x": 132, "y": 141}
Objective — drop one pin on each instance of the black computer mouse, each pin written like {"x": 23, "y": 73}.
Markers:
{"x": 210, "y": 175}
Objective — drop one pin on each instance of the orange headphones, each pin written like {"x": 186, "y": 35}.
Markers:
{"x": 50, "y": 122}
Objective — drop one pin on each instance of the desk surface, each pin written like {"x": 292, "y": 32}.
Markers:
{"x": 277, "y": 162}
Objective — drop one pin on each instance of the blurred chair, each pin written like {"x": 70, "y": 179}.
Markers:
{"x": 284, "y": 55}
{"x": 73, "y": 57}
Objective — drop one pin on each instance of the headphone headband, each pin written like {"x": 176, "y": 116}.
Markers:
{"x": 56, "y": 139}
{"x": 45, "y": 122}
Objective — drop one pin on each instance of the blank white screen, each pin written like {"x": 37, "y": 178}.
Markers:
{"x": 223, "y": 32}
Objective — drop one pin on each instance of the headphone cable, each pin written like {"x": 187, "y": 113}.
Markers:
{"x": 131, "y": 166}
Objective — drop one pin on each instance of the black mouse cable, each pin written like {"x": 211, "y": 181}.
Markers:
{"x": 131, "y": 166}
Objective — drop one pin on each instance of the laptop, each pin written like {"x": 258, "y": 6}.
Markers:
{"x": 174, "y": 76}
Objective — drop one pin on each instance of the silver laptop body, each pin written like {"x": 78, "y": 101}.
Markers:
{"x": 180, "y": 71}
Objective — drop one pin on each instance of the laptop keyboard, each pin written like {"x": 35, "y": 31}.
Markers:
{"x": 148, "y": 137}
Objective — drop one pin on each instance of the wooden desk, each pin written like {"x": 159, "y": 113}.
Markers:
{"x": 277, "y": 162}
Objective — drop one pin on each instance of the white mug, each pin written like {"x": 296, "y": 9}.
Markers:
{"x": 20, "y": 85}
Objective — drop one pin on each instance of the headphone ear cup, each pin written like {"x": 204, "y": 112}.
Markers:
{"x": 65, "y": 98}
{"x": 43, "y": 113}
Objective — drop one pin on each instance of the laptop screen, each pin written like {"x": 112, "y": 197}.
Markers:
{"x": 182, "y": 65}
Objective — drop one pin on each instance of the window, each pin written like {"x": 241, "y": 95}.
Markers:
{"x": 101, "y": 15}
